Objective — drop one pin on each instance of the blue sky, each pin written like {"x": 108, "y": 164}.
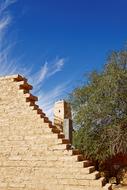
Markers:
{"x": 55, "y": 42}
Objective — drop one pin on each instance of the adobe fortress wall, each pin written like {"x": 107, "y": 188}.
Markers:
{"x": 34, "y": 155}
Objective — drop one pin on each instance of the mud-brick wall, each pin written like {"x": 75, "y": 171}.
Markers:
{"x": 33, "y": 153}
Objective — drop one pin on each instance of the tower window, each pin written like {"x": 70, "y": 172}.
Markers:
{"x": 59, "y": 111}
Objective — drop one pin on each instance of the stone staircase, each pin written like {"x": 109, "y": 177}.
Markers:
{"x": 34, "y": 154}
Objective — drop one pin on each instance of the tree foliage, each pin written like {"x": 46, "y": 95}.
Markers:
{"x": 100, "y": 110}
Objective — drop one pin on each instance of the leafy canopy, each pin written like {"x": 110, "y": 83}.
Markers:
{"x": 100, "y": 110}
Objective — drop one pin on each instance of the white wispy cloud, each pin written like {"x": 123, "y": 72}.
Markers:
{"x": 12, "y": 65}
{"x": 50, "y": 68}
{"x": 8, "y": 65}
{"x": 47, "y": 70}
{"x": 4, "y": 23}
{"x": 43, "y": 72}
{"x": 5, "y": 17}
{"x": 5, "y": 4}
{"x": 57, "y": 66}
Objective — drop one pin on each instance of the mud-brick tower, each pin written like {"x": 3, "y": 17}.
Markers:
{"x": 63, "y": 118}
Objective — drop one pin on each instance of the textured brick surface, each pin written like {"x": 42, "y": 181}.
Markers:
{"x": 33, "y": 153}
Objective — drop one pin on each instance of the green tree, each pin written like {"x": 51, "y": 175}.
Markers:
{"x": 100, "y": 110}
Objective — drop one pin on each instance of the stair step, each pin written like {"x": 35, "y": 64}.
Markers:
{"x": 86, "y": 163}
{"x": 74, "y": 158}
{"x": 60, "y": 147}
{"x": 98, "y": 183}
{"x": 18, "y": 78}
{"x": 31, "y": 104}
{"x": 54, "y": 126}
{"x": 71, "y": 152}
{"x": 25, "y": 86}
{"x": 55, "y": 130}
{"x": 91, "y": 169}
{"x": 30, "y": 97}
{"x": 93, "y": 176}
{"x": 82, "y": 164}
{"x": 39, "y": 111}
{"x": 79, "y": 157}
{"x": 36, "y": 107}
{"x": 42, "y": 115}
{"x": 87, "y": 184}
{"x": 61, "y": 136}
{"x": 83, "y": 171}
{"x": 65, "y": 141}
{"x": 108, "y": 186}
{"x": 80, "y": 176}
{"x": 51, "y": 126}
{"x": 75, "y": 151}
{"x": 25, "y": 91}
{"x": 87, "y": 170}
{"x": 46, "y": 120}
{"x": 50, "y": 122}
